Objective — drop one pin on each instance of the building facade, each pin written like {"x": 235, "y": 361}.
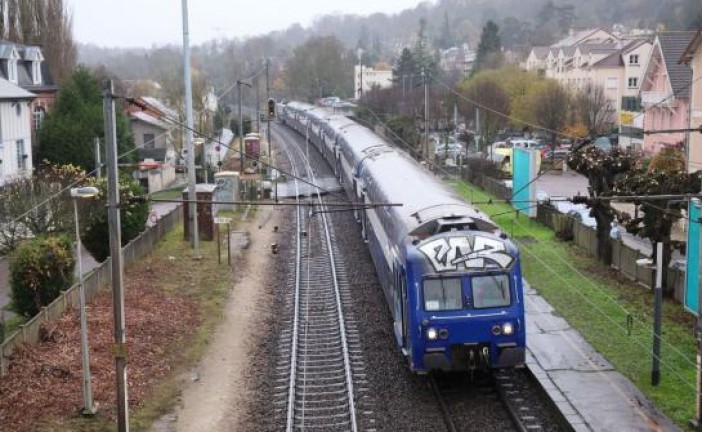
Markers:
{"x": 16, "y": 132}
{"x": 24, "y": 66}
{"x": 365, "y": 78}
{"x": 665, "y": 92}
{"x": 692, "y": 56}
{"x": 596, "y": 57}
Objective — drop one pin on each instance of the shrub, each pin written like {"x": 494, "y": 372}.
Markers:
{"x": 40, "y": 269}
{"x": 133, "y": 215}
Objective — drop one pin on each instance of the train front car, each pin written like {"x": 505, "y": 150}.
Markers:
{"x": 467, "y": 302}
{"x": 453, "y": 283}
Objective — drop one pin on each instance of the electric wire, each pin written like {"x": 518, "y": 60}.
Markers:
{"x": 573, "y": 289}
{"x": 76, "y": 182}
{"x": 609, "y": 297}
{"x": 232, "y": 148}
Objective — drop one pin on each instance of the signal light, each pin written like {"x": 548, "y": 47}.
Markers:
{"x": 271, "y": 109}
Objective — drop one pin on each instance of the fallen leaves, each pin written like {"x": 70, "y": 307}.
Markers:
{"x": 44, "y": 383}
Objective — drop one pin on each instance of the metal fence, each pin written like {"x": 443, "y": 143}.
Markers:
{"x": 623, "y": 257}
{"x": 30, "y": 332}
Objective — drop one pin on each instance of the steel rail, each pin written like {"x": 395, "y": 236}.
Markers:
{"x": 445, "y": 412}
{"x": 342, "y": 326}
{"x": 296, "y": 314}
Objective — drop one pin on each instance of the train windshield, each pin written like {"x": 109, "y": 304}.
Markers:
{"x": 442, "y": 294}
{"x": 490, "y": 291}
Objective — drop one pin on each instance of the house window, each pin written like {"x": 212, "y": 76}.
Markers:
{"x": 611, "y": 83}
{"x": 631, "y": 103}
{"x": 633, "y": 82}
{"x": 12, "y": 70}
{"x": 38, "y": 115}
{"x": 634, "y": 59}
{"x": 21, "y": 156}
{"x": 36, "y": 72}
{"x": 149, "y": 141}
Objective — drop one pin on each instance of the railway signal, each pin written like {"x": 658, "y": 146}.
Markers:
{"x": 271, "y": 109}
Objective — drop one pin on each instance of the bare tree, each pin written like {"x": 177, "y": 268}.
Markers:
{"x": 485, "y": 93}
{"x": 551, "y": 106}
{"x": 595, "y": 110}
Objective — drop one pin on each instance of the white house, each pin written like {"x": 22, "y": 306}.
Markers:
{"x": 598, "y": 57}
{"x": 16, "y": 132}
{"x": 365, "y": 78}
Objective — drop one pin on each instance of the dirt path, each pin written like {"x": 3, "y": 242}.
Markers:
{"x": 216, "y": 394}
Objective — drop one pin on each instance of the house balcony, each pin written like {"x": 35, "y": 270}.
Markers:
{"x": 657, "y": 98}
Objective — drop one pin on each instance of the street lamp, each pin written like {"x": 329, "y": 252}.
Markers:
{"x": 88, "y": 408}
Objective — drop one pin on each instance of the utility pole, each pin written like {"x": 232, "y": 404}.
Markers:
{"x": 657, "y": 312}
{"x": 96, "y": 152}
{"x": 192, "y": 196}
{"x": 258, "y": 106}
{"x": 119, "y": 349}
{"x": 360, "y": 75}
{"x": 425, "y": 149}
{"x": 239, "y": 83}
{"x": 268, "y": 96}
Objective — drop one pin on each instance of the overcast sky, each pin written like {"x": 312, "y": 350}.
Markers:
{"x": 131, "y": 23}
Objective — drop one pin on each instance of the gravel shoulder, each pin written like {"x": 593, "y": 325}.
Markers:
{"x": 219, "y": 389}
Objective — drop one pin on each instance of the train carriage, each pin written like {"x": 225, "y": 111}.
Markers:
{"x": 452, "y": 280}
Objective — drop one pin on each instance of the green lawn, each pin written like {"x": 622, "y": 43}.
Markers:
{"x": 612, "y": 313}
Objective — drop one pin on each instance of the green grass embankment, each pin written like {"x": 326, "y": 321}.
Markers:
{"x": 615, "y": 315}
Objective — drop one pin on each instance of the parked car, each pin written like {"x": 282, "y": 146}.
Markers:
{"x": 452, "y": 150}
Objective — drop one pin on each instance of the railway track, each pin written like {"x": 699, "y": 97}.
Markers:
{"x": 511, "y": 391}
{"x": 322, "y": 367}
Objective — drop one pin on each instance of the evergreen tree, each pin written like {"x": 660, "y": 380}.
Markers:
{"x": 489, "y": 55}
{"x": 423, "y": 58}
{"x": 66, "y": 134}
{"x": 445, "y": 40}
{"x": 403, "y": 67}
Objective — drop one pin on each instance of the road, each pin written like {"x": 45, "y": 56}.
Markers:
{"x": 88, "y": 262}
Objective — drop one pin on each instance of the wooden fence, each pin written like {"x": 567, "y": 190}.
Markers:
{"x": 93, "y": 282}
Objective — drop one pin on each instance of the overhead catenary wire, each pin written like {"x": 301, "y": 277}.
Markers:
{"x": 523, "y": 246}
{"x": 610, "y": 298}
{"x": 233, "y": 148}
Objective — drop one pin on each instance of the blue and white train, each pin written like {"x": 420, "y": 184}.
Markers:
{"x": 452, "y": 280}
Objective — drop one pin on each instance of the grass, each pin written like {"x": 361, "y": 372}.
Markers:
{"x": 209, "y": 285}
{"x": 168, "y": 194}
{"x": 613, "y": 314}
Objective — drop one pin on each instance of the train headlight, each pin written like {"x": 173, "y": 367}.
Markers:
{"x": 432, "y": 334}
{"x": 507, "y": 329}
{"x": 496, "y": 329}
{"x": 443, "y": 333}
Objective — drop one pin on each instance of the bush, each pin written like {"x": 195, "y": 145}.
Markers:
{"x": 479, "y": 167}
{"x": 133, "y": 217}
{"x": 40, "y": 269}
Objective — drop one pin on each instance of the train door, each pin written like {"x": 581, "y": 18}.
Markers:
{"x": 400, "y": 324}
{"x": 364, "y": 216}
{"x": 355, "y": 192}
{"x": 337, "y": 165}
{"x": 405, "y": 311}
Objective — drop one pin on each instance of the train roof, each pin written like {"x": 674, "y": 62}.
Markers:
{"x": 395, "y": 177}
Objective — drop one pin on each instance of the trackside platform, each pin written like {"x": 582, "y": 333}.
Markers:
{"x": 590, "y": 394}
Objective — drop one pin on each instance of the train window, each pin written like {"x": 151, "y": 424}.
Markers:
{"x": 490, "y": 291}
{"x": 442, "y": 294}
